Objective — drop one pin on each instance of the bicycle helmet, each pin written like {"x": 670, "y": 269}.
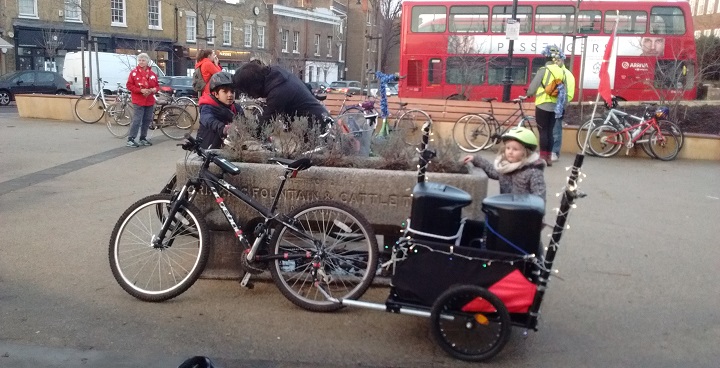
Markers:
{"x": 553, "y": 52}
{"x": 221, "y": 79}
{"x": 523, "y": 135}
{"x": 662, "y": 112}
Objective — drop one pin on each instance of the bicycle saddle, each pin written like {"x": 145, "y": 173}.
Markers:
{"x": 299, "y": 164}
{"x": 489, "y": 99}
{"x": 403, "y": 104}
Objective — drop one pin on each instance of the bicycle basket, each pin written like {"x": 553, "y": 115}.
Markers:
{"x": 368, "y": 105}
{"x": 356, "y": 133}
{"x": 662, "y": 112}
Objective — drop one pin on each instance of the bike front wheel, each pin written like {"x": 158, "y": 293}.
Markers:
{"x": 118, "y": 119}
{"x": 584, "y": 129}
{"x": 334, "y": 242}
{"x": 89, "y": 109}
{"x": 175, "y": 121}
{"x": 472, "y": 133}
{"x": 409, "y": 126}
{"x": 155, "y": 273}
{"x": 665, "y": 144}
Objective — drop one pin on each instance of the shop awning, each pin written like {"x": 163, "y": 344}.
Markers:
{"x": 5, "y": 45}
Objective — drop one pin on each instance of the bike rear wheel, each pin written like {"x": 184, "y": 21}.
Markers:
{"x": 664, "y": 144}
{"x": 472, "y": 133}
{"x": 470, "y": 323}
{"x": 174, "y": 122}
{"x": 89, "y": 109}
{"x": 118, "y": 119}
{"x": 342, "y": 248}
{"x": 189, "y": 105}
{"x": 151, "y": 273}
{"x": 409, "y": 126}
{"x": 605, "y": 141}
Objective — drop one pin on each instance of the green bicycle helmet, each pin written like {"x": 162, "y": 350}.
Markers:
{"x": 523, "y": 135}
{"x": 221, "y": 79}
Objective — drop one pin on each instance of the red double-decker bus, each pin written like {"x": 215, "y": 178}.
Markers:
{"x": 458, "y": 49}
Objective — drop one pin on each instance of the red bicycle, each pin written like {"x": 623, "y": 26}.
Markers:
{"x": 651, "y": 133}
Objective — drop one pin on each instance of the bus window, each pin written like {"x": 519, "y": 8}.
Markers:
{"x": 589, "y": 21}
{"x": 536, "y": 64}
{"x": 554, "y": 19}
{"x": 466, "y": 70}
{"x": 435, "y": 71}
{"x": 501, "y": 13}
{"x": 667, "y": 20}
{"x": 629, "y": 21}
{"x": 496, "y": 70}
{"x": 428, "y": 19}
{"x": 673, "y": 74}
{"x": 469, "y": 18}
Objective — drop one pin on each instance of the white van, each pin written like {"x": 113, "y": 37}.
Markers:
{"x": 114, "y": 69}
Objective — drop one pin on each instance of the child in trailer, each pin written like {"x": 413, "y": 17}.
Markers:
{"x": 518, "y": 166}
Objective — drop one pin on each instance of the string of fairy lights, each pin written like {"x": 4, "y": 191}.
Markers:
{"x": 407, "y": 245}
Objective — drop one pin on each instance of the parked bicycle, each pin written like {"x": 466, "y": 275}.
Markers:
{"x": 658, "y": 140}
{"x": 160, "y": 245}
{"x": 480, "y": 131}
{"x": 620, "y": 120}
{"x": 91, "y": 108}
{"x": 172, "y": 119}
{"x": 119, "y": 114}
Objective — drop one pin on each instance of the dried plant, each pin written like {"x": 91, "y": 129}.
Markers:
{"x": 298, "y": 139}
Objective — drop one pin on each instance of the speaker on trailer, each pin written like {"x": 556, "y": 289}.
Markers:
{"x": 515, "y": 219}
{"x": 437, "y": 208}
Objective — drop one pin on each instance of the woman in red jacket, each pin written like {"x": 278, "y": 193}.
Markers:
{"x": 209, "y": 64}
{"x": 143, "y": 84}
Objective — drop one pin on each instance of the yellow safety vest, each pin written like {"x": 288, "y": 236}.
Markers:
{"x": 540, "y": 95}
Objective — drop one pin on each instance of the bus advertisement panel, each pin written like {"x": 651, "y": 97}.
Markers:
{"x": 458, "y": 48}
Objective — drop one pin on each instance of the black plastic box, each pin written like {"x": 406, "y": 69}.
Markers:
{"x": 437, "y": 208}
{"x": 516, "y": 217}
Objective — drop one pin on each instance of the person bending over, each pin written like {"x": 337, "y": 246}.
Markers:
{"x": 285, "y": 94}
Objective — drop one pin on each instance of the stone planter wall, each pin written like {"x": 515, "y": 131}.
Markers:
{"x": 383, "y": 196}
{"x": 56, "y": 107}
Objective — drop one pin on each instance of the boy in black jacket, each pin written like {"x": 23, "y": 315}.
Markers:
{"x": 217, "y": 110}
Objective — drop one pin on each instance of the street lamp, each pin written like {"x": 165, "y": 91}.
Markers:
{"x": 508, "y": 81}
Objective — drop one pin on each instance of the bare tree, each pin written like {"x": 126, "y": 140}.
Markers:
{"x": 464, "y": 68}
{"x": 388, "y": 28}
{"x": 52, "y": 39}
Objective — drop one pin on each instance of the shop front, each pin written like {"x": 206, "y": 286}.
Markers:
{"x": 230, "y": 60}
{"x": 43, "y": 46}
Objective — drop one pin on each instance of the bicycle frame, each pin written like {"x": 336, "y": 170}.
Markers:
{"x": 518, "y": 116}
{"x": 214, "y": 183}
{"x": 635, "y": 132}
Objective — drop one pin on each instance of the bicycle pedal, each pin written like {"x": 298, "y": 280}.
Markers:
{"x": 245, "y": 282}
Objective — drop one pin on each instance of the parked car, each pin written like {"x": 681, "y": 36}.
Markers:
{"x": 31, "y": 81}
{"x": 352, "y": 87}
{"x": 318, "y": 87}
{"x": 181, "y": 85}
{"x": 391, "y": 89}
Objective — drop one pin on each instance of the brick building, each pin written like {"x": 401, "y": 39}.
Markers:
{"x": 306, "y": 38}
{"x": 706, "y": 17}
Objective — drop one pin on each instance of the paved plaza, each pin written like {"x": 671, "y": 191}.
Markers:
{"x": 637, "y": 284}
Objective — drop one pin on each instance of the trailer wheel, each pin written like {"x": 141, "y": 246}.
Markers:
{"x": 470, "y": 323}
